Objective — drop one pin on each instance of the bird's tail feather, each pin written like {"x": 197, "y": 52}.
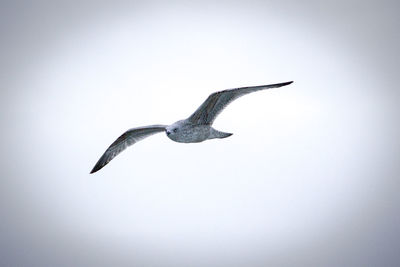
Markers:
{"x": 218, "y": 134}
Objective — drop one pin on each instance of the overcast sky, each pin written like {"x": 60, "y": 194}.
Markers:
{"x": 309, "y": 177}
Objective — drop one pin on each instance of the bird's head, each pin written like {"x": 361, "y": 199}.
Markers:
{"x": 173, "y": 130}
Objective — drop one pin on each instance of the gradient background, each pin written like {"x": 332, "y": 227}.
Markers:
{"x": 309, "y": 178}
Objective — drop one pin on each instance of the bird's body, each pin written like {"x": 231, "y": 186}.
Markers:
{"x": 197, "y": 128}
{"x": 184, "y": 131}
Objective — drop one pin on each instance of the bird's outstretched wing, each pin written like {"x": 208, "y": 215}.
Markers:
{"x": 217, "y": 101}
{"x": 126, "y": 139}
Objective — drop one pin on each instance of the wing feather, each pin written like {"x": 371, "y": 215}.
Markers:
{"x": 217, "y": 101}
{"x": 126, "y": 139}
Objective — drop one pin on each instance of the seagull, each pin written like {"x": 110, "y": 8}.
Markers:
{"x": 197, "y": 128}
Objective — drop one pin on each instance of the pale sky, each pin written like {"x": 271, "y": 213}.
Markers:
{"x": 309, "y": 177}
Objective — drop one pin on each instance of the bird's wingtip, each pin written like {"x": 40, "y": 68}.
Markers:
{"x": 281, "y": 84}
{"x": 95, "y": 169}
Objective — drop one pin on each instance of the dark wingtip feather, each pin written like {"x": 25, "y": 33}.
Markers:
{"x": 95, "y": 169}
{"x": 286, "y": 83}
{"x": 100, "y": 164}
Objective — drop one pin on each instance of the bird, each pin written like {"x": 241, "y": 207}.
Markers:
{"x": 196, "y": 128}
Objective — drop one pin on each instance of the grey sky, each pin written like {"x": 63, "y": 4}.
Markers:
{"x": 309, "y": 178}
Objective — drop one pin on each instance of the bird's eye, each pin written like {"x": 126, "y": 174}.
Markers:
{"x": 175, "y": 130}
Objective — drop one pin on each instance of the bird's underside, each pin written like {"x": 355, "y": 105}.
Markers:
{"x": 194, "y": 129}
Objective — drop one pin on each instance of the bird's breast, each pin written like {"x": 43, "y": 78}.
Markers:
{"x": 193, "y": 134}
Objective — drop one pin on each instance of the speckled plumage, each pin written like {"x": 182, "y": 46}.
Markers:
{"x": 195, "y": 129}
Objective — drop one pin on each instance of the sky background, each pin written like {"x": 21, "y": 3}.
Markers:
{"x": 309, "y": 178}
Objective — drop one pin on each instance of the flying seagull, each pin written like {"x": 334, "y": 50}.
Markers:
{"x": 196, "y": 128}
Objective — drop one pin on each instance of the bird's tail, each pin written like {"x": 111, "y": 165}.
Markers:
{"x": 218, "y": 134}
